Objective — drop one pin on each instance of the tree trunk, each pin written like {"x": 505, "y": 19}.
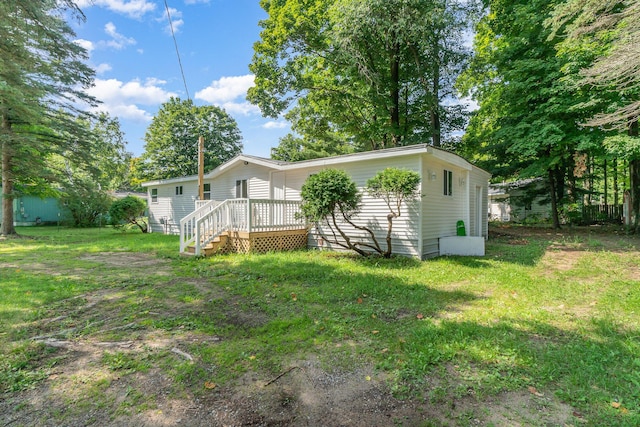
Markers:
{"x": 634, "y": 182}
{"x": 436, "y": 137}
{"x": 7, "y": 227}
{"x": 554, "y": 199}
{"x": 606, "y": 184}
{"x": 395, "y": 96}
{"x": 616, "y": 198}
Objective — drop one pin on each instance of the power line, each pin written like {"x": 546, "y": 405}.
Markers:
{"x": 175, "y": 42}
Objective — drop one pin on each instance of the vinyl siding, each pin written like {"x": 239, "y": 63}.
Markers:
{"x": 440, "y": 212}
{"x": 405, "y": 235}
{"x": 223, "y": 187}
{"x": 166, "y": 213}
{"x": 478, "y": 179}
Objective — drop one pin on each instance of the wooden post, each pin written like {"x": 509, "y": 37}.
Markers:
{"x": 201, "y": 168}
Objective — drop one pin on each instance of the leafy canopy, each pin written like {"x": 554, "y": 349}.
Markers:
{"x": 171, "y": 148}
{"x": 43, "y": 77}
{"x": 373, "y": 73}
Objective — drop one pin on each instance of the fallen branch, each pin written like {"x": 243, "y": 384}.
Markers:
{"x": 280, "y": 376}
{"x": 182, "y": 353}
{"x": 52, "y": 342}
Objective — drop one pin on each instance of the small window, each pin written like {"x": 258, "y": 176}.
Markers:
{"x": 179, "y": 190}
{"x": 241, "y": 189}
{"x": 206, "y": 192}
{"x": 448, "y": 183}
{"x": 154, "y": 195}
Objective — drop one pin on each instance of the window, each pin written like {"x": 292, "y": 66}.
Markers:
{"x": 241, "y": 189}
{"x": 179, "y": 190}
{"x": 448, "y": 183}
{"x": 206, "y": 192}
{"x": 154, "y": 195}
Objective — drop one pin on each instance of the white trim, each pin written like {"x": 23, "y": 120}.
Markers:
{"x": 244, "y": 159}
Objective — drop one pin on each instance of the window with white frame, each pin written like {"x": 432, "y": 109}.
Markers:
{"x": 448, "y": 183}
{"x": 206, "y": 192}
{"x": 241, "y": 189}
{"x": 154, "y": 195}
{"x": 178, "y": 190}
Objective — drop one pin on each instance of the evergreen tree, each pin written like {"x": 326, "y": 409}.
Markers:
{"x": 42, "y": 82}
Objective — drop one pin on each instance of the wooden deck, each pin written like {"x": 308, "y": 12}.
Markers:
{"x": 255, "y": 242}
{"x": 243, "y": 225}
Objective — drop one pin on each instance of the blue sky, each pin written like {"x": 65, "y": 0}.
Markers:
{"x": 131, "y": 49}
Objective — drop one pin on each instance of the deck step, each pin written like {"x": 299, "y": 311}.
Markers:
{"x": 210, "y": 248}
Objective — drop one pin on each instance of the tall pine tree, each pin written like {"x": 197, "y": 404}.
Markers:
{"x": 42, "y": 80}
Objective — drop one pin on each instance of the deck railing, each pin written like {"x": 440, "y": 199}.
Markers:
{"x": 250, "y": 215}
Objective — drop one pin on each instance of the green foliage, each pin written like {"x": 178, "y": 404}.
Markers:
{"x": 616, "y": 24}
{"x": 293, "y": 149}
{"x": 328, "y": 193}
{"x": 86, "y": 204}
{"x": 525, "y": 317}
{"x": 129, "y": 210}
{"x": 43, "y": 75}
{"x": 331, "y": 199}
{"x": 111, "y": 160}
{"x": 373, "y": 73}
{"x": 394, "y": 186}
{"x": 531, "y": 107}
{"x": 171, "y": 148}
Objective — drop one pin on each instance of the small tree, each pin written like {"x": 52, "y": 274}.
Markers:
{"x": 394, "y": 186}
{"x": 331, "y": 196}
{"x": 85, "y": 204}
{"x": 129, "y": 210}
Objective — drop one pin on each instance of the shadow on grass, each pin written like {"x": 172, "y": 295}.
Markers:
{"x": 587, "y": 371}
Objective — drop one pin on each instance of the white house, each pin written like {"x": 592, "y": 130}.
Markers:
{"x": 452, "y": 189}
{"x": 522, "y": 200}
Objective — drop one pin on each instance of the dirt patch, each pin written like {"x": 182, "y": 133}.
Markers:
{"x": 125, "y": 259}
{"x": 89, "y": 380}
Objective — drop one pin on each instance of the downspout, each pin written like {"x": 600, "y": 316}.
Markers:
{"x": 421, "y": 208}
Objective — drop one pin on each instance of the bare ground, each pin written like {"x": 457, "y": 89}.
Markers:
{"x": 80, "y": 390}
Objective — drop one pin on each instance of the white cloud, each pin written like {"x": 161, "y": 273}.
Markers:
{"x": 275, "y": 125}
{"x": 243, "y": 108}
{"x": 230, "y": 93}
{"x": 118, "y": 41}
{"x": 131, "y": 8}
{"x": 103, "y": 68}
{"x": 226, "y": 89}
{"x": 176, "y": 20}
{"x": 86, "y": 44}
{"x": 124, "y": 99}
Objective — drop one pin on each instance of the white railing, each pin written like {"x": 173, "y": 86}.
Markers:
{"x": 188, "y": 223}
{"x": 201, "y": 203}
{"x": 268, "y": 215}
{"x": 250, "y": 215}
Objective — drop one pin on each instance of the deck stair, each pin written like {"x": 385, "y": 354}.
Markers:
{"x": 242, "y": 225}
{"x": 217, "y": 245}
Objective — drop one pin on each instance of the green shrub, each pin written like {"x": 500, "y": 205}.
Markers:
{"x": 129, "y": 210}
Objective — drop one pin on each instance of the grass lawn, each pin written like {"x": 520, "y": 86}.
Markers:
{"x": 99, "y": 326}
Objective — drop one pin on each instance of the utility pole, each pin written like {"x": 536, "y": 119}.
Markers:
{"x": 201, "y": 168}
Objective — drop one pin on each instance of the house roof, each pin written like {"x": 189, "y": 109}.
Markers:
{"x": 444, "y": 155}
{"x": 503, "y": 188}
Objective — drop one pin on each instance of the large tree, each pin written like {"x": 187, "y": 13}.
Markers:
{"x": 42, "y": 80}
{"x": 616, "y": 73}
{"x": 528, "y": 124}
{"x": 171, "y": 148}
{"x": 374, "y": 73}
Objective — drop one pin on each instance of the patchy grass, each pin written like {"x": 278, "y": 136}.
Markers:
{"x": 124, "y": 320}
